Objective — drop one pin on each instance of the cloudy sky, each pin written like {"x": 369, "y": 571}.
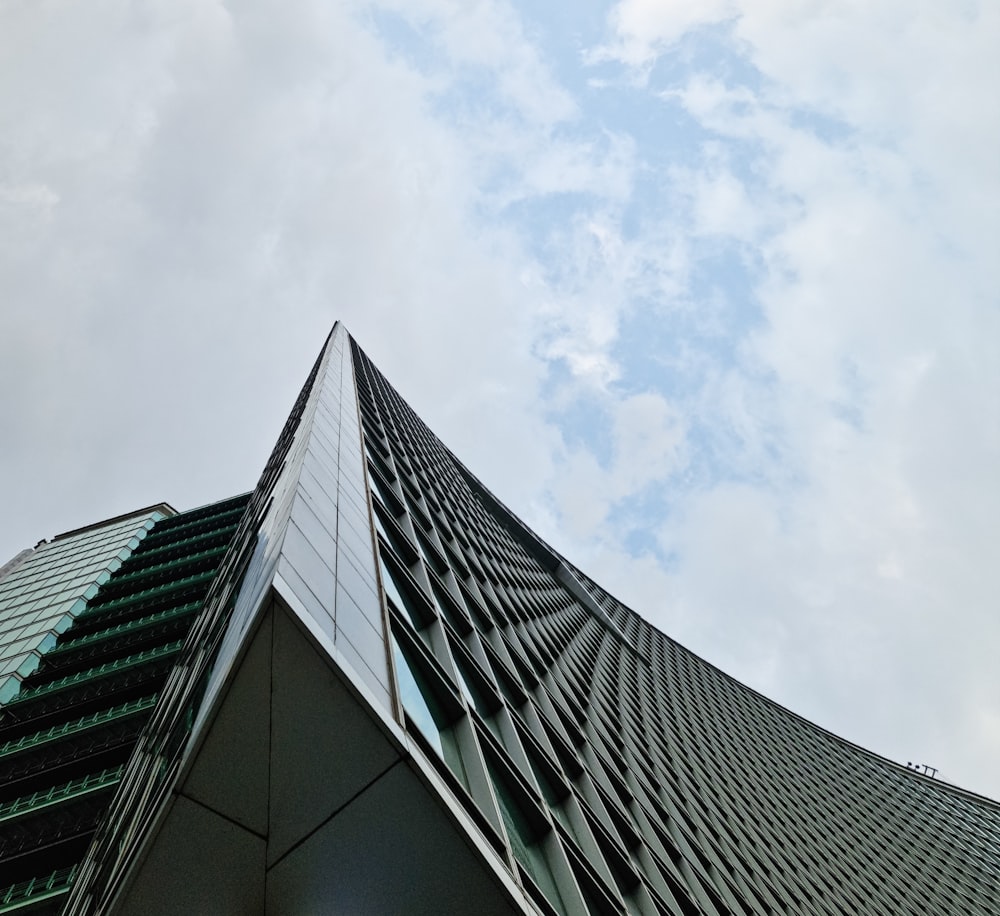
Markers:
{"x": 706, "y": 290}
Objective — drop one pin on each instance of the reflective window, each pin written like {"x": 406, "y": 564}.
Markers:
{"x": 467, "y": 692}
{"x": 415, "y": 699}
{"x": 524, "y": 843}
{"x": 424, "y": 703}
{"x": 395, "y": 595}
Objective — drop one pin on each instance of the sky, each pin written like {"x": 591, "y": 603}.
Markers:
{"x": 707, "y": 292}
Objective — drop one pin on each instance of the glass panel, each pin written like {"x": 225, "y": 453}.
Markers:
{"x": 426, "y": 713}
{"x": 447, "y": 608}
{"x": 466, "y": 690}
{"x": 553, "y": 796}
{"x": 523, "y": 842}
{"x": 414, "y": 700}
{"x": 395, "y": 595}
{"x": 381, "y": 527}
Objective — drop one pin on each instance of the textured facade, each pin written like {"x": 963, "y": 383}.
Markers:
{"x": 90, "y": 624}
{"x": 392, "y": 697}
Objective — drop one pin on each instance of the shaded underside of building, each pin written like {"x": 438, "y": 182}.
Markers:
{"x": 369, "y": 688}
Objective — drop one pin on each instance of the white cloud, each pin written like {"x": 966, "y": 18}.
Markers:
{"x": 208, "y": 190}
{"x": 646, "y": 441}
{"x": 645, "y": 28}
{"x": 193, "y": 192}
{"x": 862, "y": 540}
{"x": 649, "y": 437}
{"x": 488, "y": 35}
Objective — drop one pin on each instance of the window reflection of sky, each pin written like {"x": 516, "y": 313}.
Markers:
{"x": 414, "y": 702}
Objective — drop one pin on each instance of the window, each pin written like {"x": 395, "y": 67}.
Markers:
{"x": 525, "y": 839}
{"x": 399, "y": 598}
{"x": 415, "y": 699}
{"x": 426, "y": 705}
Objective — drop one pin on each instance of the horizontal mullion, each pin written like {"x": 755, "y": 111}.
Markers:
{"x": 160, "y": 569}
{"x": 67, "y": 729}
{"x": 138, "y": 597}
{"x": 91, "y": 674}
{"x": 141, "y": 558}
{"x": 37, "y": 801}
{"x": 35, "y": 890}
{"x": 119, "y": 629}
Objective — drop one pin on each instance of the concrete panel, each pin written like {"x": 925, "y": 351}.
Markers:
{"x": 392, "y": 850}
{"x": 200, "y": 863}
{"x": 230, "y": 771}
{"x": 325, "y": 748}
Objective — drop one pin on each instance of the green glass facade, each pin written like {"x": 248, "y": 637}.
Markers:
{"x": 50, "y": 585}
{"x": 95, "y": 620}
{"x": 393, "y": 697}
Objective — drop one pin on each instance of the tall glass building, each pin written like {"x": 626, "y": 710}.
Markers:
{"x": 368, "y": 688}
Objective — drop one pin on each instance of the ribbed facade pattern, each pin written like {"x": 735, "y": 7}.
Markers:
{"x": 580, "y": 760}
{"x": 621, "y": 772}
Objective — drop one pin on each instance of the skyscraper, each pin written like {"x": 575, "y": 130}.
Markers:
{"x": 377, "y": 691}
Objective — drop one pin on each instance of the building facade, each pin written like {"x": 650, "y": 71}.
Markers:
{"x": 367, "y": 687}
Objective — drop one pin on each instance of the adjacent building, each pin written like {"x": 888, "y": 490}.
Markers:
{"x": 368, "y": 688}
